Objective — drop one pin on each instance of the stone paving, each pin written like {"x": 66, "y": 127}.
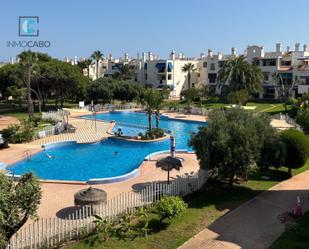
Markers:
{"x": 6, "y": 121}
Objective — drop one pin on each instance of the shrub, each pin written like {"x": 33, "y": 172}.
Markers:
{"x": 240, "y": 97}
{"x": 170, "y": 206}
{"x": 297, "y": 149}
{"x": 35, "y": 120}
{"x": 9, "y": 132}
{"x": 302, "y": 118}
{"x": 153, "y": 134}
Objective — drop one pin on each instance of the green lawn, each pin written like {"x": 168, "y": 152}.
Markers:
{"x": 204, "y": 208}
{"x": 298, "y": 239}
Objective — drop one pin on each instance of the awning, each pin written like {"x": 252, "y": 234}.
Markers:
{"x": 145, "y": 66}
{"x": 304, "y": 77}
{"x": 286, "y": 75}
{"x": 169, "y": 67}
{"x": 161, "y": 66}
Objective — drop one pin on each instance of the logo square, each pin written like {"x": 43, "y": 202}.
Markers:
{"x": 28, "y": 26}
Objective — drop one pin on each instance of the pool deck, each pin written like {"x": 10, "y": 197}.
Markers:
{"x": 6, "y": 121}
{"x": 58, "y": 198}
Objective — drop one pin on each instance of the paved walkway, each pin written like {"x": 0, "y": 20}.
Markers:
{"x": 255, "y": 224}
{"x": 85, "y": 131}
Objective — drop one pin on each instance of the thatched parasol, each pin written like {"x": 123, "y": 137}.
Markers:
{"x": 90, "y": 196}
{"x": 168, "y": 163}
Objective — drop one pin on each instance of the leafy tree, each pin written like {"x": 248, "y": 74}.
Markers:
{"x": 99, "y": 91}
{"x": 189, "y": 95}
{"x": 18, "y": 203}
{"x": 18, "y": 94}
{"x": 240, "y": 75}
{"x": 88, "y": 63}
{"x": 231, "y": 142}
{"x": 97, "y": 56}
{"x": 302, "y": 118}
{"x": 189, "y": 68}
{"x": 11, "y": 75}
{"x": 297, "y": 149}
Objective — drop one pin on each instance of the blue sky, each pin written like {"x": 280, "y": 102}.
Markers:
{"x": 80, "y": 27}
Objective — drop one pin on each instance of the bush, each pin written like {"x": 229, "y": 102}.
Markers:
{"x": 302, "y": 118}
{"x": 297, "y": 149}
{"x": 239, "y": 98}
{"x": 19, "y": 134}
{"x": 153, "y": 134}
{"x": 170, "y": 206}
{"x": 9, "y": 132}
{"x": 35, "y": 120}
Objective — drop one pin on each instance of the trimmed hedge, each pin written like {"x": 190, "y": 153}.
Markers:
{"x": 297, "y": 148}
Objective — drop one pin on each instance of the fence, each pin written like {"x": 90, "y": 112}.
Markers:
{"x": 59, "y": 115}
{"x": 191, "y": 110}
{"x": 50, "y": 232}
{"x": 112, "y": 107}
{"x": 289, "y": 120}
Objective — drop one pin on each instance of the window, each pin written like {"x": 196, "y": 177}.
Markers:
{"x": 285, "y": 63}
{"x": 169, "y": 76}
{"x": 256, "y": 62}
{"x": 269, "y": 63}
{"x": 205, "y": 64}
{"x": 198, "y": 75}
{"x": 266, "y": 76}
{"x": 221, "y": 63}
{"x": 307, "y": 81}
{"x": 212, "y": 66}
{"x": 212, "y": 77}
{"x": 145, "y": 76}
{"x": 193, "y": 85}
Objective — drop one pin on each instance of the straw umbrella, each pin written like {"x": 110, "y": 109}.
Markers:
{"x": 90, "y": 196}
{"x": 167, "y": 164}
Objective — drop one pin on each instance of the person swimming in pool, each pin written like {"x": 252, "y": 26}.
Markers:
{"x": 47, "y": 155}
{"x": 115, "y": 153}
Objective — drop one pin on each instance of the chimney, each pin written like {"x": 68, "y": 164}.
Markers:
{"x": 11, "y": 60}
{"x": 137, "y": 56}
{"x": 202, "y": 55}
{"x": 180, "y": 56}
{"x": 297, "y": 45}
{"x": 75, "y": 60}
{"x": 210, "y": 54}
{"x": 126, "y": 56}
{"x": 110, "y": 57}
{"x": 288, "y": 48}
{"x": 150, "y": 57}
{"x": 278, "y": 48}
{"x": 305, "y": 47}
{"x": 219, "y": 55}
{"x": 173, "y": 55}
{"x": 143, "y": 56}
{"x": 234, "y": 51}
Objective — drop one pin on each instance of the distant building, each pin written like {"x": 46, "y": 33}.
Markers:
{"x": 290, "y": 65}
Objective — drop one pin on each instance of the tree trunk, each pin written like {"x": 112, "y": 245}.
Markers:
{"x": 149, "y": 120}
{"x": 157, "y": 119}
{"x": 290, "y": 172}
{"x": 231, "y": 180}
{"x": 189, "y": 80}
{"x": 61, "y": 96}
{"x": 88, "y": 72}
{"x": 29, "y": 99}
{"x": 168, "y": 177}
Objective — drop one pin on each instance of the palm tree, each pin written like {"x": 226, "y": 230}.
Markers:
{"x": 150, "y": 100}
{"x": 189, "y": 68}
{"x": 240, "y": 75}
{"x": 82, "y": 66}
{"x": 125, "y": 72}
{"x": 160, "y": 96}
{"x": 28, "y": 59}
{"x": 88, "y": 64}
{"x": 97, "y": 56}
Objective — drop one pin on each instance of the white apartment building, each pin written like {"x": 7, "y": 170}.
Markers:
{"x": 160, "y": 73}
{"x": 290, "y": 65}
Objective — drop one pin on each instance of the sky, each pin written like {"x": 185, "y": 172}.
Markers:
{"x": 77, "y": 28}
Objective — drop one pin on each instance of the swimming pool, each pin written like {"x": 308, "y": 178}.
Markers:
{"x": 109, "y": 158}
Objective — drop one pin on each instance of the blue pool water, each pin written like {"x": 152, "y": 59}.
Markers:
{"x": 109, "y": 158}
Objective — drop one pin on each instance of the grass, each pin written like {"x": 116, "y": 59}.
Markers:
{"x": 295, "y": 239}
{"x": 204, "y": 208}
